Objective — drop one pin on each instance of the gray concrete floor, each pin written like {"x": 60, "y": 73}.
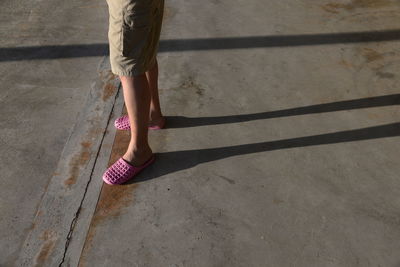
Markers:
{"x": 281, "y": 146}
{"x": 48, "y": 63}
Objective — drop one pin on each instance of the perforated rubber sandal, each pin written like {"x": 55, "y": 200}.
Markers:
{"x": 122, "y": 171}
{"x": 122, "y": 123}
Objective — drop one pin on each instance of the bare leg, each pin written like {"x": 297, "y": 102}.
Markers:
{"x": 137, "y": 101}
{"x": 155, "y": 116}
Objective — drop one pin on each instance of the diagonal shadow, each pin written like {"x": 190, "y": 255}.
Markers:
{"x": 52, "y": 52}
{"x": 278, "y": 40}
{"x": 377, "y": 101}
{"x": 176, "y": 45}
{"x": 169, "y": 162}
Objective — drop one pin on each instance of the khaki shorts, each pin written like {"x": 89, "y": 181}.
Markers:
{"x": 133, "y": 34}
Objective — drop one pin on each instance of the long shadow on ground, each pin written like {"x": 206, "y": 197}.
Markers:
{"x": 169, "y": 162}
{"x": 197, "y": 44}
{"x": 377, "y": 101}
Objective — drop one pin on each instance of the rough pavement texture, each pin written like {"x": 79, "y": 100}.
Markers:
{"x": 47, "y": 75}
{"x": 281, "y": 147}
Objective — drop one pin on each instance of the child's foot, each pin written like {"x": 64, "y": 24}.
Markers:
{"x": 137, "y": 158}
{"x": 157, "y": 123}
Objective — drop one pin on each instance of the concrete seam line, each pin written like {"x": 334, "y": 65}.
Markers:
{"x": 83, "y": 222}
{"x": 73, "y": 222}
{"x": 58, "y": 209}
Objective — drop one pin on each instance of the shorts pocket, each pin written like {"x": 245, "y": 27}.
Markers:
{"x": 135, "y": 28}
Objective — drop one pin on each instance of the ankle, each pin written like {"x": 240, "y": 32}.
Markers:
{"x": 139, "y": 150}
{"x": 155, "y": 115}
{"x": 137, "y": 158}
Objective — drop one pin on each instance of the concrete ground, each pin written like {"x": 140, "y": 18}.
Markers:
{"x": 281, "y": 146}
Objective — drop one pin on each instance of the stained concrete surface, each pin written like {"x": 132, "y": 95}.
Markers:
{"x": 283, "y": 153}
{"x": 41, "y": 100}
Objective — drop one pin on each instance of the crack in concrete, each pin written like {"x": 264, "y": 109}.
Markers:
{"x": 74, "y": 220}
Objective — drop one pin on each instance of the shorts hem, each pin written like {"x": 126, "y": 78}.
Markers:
{"x": 134, "y": 72}
{"x": 128, "y": 73}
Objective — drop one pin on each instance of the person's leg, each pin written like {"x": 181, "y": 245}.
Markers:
{"x": 155, "y": 116}
{"x": 137, "y": 101}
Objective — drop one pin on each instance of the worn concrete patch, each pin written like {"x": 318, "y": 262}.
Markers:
{"x": 78, "y": 160}
{"x": 78, "y": 234}
{"x": 335, "y": 7}
{"x": 61, "y": 203}
{"x": 49, "y": 238}
{"x": 112, "y": 199}
{"x": 109, "y": 87}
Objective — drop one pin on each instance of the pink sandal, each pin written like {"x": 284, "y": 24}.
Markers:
{"x": 122, "y": 123}
{"x": 122, "y": 171}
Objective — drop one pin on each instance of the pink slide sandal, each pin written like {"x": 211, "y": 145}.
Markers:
{"x": 122, "y": 123}
{"x": 122, "y": 171}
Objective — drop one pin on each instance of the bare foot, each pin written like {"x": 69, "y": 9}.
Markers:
{"x": 157, "y": 121}
{"x": 137, "y": 158}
